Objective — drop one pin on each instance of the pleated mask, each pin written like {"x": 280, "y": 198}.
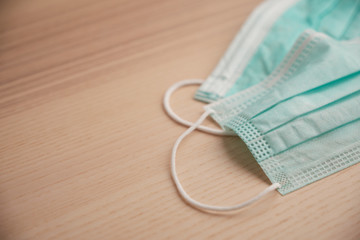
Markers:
{"x": 267, "y": 37}
{"x": 301, "y": 124}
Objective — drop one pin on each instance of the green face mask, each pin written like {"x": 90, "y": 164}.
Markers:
{"x": 302, "y": 123}
{"x": 292, "y": 95}
{"x": 267, "y": 37}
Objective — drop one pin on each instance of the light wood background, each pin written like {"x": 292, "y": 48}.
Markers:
{"x": 85, "y": 144}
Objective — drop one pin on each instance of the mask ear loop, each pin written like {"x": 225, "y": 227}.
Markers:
{"x": 197, "y": 125}
{"x": 199, "y": 205}
{"x": 176, "y": 118}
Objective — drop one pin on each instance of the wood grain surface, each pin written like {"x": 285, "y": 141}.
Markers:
{"x": 85, "y": 143}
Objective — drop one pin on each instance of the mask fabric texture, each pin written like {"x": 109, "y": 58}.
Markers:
{"x": 268, "y": 36}
{"x": 302, "y": 123}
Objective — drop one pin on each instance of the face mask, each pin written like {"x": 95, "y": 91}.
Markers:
{"x": 302, "y": 123}
{"x": 267, "y": 37}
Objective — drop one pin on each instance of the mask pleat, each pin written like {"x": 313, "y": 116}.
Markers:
{"x": 303, "y": 104}
{"x": 314, "y": 124}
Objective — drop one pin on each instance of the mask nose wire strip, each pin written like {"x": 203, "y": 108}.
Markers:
{"x": 200, "y": 205}
{"x": 176, "y": 118}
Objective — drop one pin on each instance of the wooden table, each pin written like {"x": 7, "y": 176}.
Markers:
{"x": 85, "y": 143}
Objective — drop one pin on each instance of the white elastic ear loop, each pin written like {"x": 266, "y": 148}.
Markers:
{"x": 175, "y": 117}
{"x": 200, "y": 205}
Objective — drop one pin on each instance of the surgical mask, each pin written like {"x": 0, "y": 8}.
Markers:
{"x": 267, "y": 37}
{"x": 302, "y": 123}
